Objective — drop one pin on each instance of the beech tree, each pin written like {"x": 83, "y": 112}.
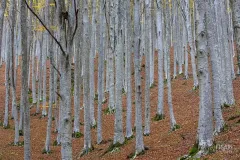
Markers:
{"x": 2, "y": 11}
{"x": 137, "y": 42}
{"x": 69, "y": 34}
{"x": 205, "y": 124}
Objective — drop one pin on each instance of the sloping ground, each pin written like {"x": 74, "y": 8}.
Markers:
{"x": 163, "y": 145}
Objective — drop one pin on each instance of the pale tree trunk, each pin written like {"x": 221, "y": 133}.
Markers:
{"x": 56, "y": 99}
{"x": 205, "y": 124}
{"x": 12, "y": 68}
{"x": 25, "y": 63}
{"x": 128, "y": 55}
{"x": 77, "y": 74}
{"x": 2, "y": 11}
{"x": 51, "y": 97}
{"x": 86, "y": 49}
{"x": 160, "y": 112}
{"x": 112, "y": 47}
{"x": 190, "y": 42}
{"x": 174, "y": 36}
{"x": 118, "y": 127}
{"x": 100, "y": 71}
{"x": 44, "y": 63}
{"x": 236, "y": 26}
{"x": 221, "y": 51}
{"x": 230, "y": 38}
{"x": 51, "y": 84}
{"x": 215, "y": 64}
{"x": 170, "y": 105}
{"x": 227, "y": 56}
{"x": 148, "y": 56}
{"x": 66, "y": 28}
{"x": 91, "y": 63}
{"x": 151, "y": 48}
{"x": 7, "y": 77}
{"x": 34, "y": 97}
{"x": 143, "y": 21}
{"x": 137, "y": 41}
{"x": 179, "y": 42}
{"x": 38, "y": 49}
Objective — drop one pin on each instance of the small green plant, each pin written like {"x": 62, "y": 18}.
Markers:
{"x": 176, "y": 126}
{"x": 133, "y": 155}
{"x": 123, "y": 91}
{"x": 55, "y": 143}
{"x": 96, "y": 97}
{"x": 86, "y": 151}
{"x": 53, "y": 118}
{"x": 193, "y": 151}
{"x": 108, "y": 111}
{"x": 30, "y": 100}
{"x": 165, "y": 81}
{"x": 225, "y": 105}
{"x": 77, "y": 134}
{"x": 225, "y": 127}
{"x": 129, "y": 138}
{"x": 104, "y": 101}
{"x": 7, "y": 127}
{"x": 158, "y": 117}
{"x": 233, "y": 117}
{"x": 114, "y": 147}
{"x": 20, "y": 143}
{"x": 20, "y": 132}
{"x": 195, "y": 88}
{"x": 44, "y": 151}
{"x": 153, "y": 85}
{"x": 73, "y": 119}
{"x": 94, "y": 126}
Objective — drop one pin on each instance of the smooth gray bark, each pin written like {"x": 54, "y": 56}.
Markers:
{"x": 91, "y": 63}
{"x": 86, "y": 50}
{"x": 148, "y": 61}
{"x": 205, "y": 124}
{"x": 2, "y": 11}
{"x": 25, "y": 63}
{"x": 236, "y": 27}
{"x": 138, "y": 114}
{"x": 128, "y": 42}
{"x": 215, "y": 64}
{"x": 160, "y": 111}
{"x": 100, "y": 72}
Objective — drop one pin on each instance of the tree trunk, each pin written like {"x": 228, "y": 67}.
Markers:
{"x": 215, "y": 64}
{"x": 236, "y": 26}
{"x": 91, "y": 63}
{"x": 137, "y": 41}
{"x": 87, "y": 121}
{"x": 25, "y": 63}
{"x": 128, "y": 55}
{"x": 205, "y": 124}
{"x": 148, "y": 61}
{"x": 160, "y": 112}
{"x": 2, "y": 11}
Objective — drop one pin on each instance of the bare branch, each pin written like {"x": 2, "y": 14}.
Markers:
{"x": 58, "y": 95}
{"x": 76, "y": 15}
{"x": 55, "y": 68}
{"x": 55, "y": 39}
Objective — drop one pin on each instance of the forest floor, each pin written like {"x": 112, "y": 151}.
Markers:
{"x": 162, "y": 144}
